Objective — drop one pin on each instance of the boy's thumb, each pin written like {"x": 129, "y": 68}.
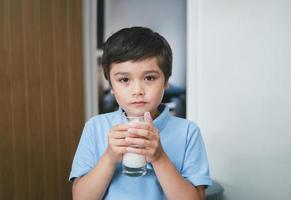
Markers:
{"x": 148, "y": 117}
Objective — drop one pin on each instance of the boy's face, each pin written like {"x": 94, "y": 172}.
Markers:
{"x": 138, "y": 86}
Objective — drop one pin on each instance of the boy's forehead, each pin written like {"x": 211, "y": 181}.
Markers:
{"x": 135, "y": 65}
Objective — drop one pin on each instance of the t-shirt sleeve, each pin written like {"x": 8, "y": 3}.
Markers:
{"x": 84, "y": 159}
{"x": 195, "y": 168}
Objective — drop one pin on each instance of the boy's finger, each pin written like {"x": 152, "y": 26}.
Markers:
{"x": 119, "y": 142}
{"x": 139, "y": 142}
{"x": 136, "y": 150}
{"x": 118, "y": 134}
{"x": 148, "y": 118}
{"x": 133, "y": 132}
{"x": 120, "y": 127}
{"x": 121, "y": 149}
{"x": 139, "y": 125}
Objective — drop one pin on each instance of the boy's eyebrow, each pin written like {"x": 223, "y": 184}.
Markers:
{"x": 151, "y": 71}
{"x": 127, "y": 73}
{"x": 121, "y": 73}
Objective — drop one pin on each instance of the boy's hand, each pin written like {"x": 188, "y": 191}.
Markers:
{"x": 146, "y": 138}
{"x": 116, "y": 142}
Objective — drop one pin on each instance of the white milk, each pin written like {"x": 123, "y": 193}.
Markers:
{"x": 133, "y": 160}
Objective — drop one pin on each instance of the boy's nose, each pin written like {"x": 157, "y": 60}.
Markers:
{"x": 137, "y": 89}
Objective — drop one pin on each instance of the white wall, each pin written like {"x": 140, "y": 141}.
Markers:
{"x": 168, "y": 17}
{"x": 243, "y": 96}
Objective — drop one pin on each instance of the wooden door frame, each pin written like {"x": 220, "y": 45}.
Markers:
{"x": 90, "y": 58}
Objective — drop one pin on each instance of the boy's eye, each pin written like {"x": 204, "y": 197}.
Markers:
{"x": 150, "y": 78}
{"x": 123, "y": 80}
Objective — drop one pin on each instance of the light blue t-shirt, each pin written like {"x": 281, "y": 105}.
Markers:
{"x": 180, "y": 139}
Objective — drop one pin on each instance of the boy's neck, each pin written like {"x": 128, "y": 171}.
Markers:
{"x": 155, "y": 114}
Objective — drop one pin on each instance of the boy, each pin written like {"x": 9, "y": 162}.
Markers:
{"x": 137, "y": 63}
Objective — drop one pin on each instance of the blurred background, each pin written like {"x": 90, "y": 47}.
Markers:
{"x": 231, "y": 75}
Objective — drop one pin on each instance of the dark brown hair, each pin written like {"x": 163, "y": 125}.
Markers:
{"x": 137, "y": 43}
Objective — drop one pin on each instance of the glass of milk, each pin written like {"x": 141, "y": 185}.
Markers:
{"x": 134, "y": 164}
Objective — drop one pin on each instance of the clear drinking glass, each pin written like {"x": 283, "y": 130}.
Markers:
{"x": 134, "y": 164}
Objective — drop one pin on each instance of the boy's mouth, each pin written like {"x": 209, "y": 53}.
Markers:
{"x": 138, "y": 103}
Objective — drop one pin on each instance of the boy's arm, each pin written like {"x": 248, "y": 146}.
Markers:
{"x": 173, "y": 184}
{"x": 94, "y": 184}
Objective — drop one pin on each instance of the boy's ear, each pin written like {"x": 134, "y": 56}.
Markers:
{"x": 167, "y": 85}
